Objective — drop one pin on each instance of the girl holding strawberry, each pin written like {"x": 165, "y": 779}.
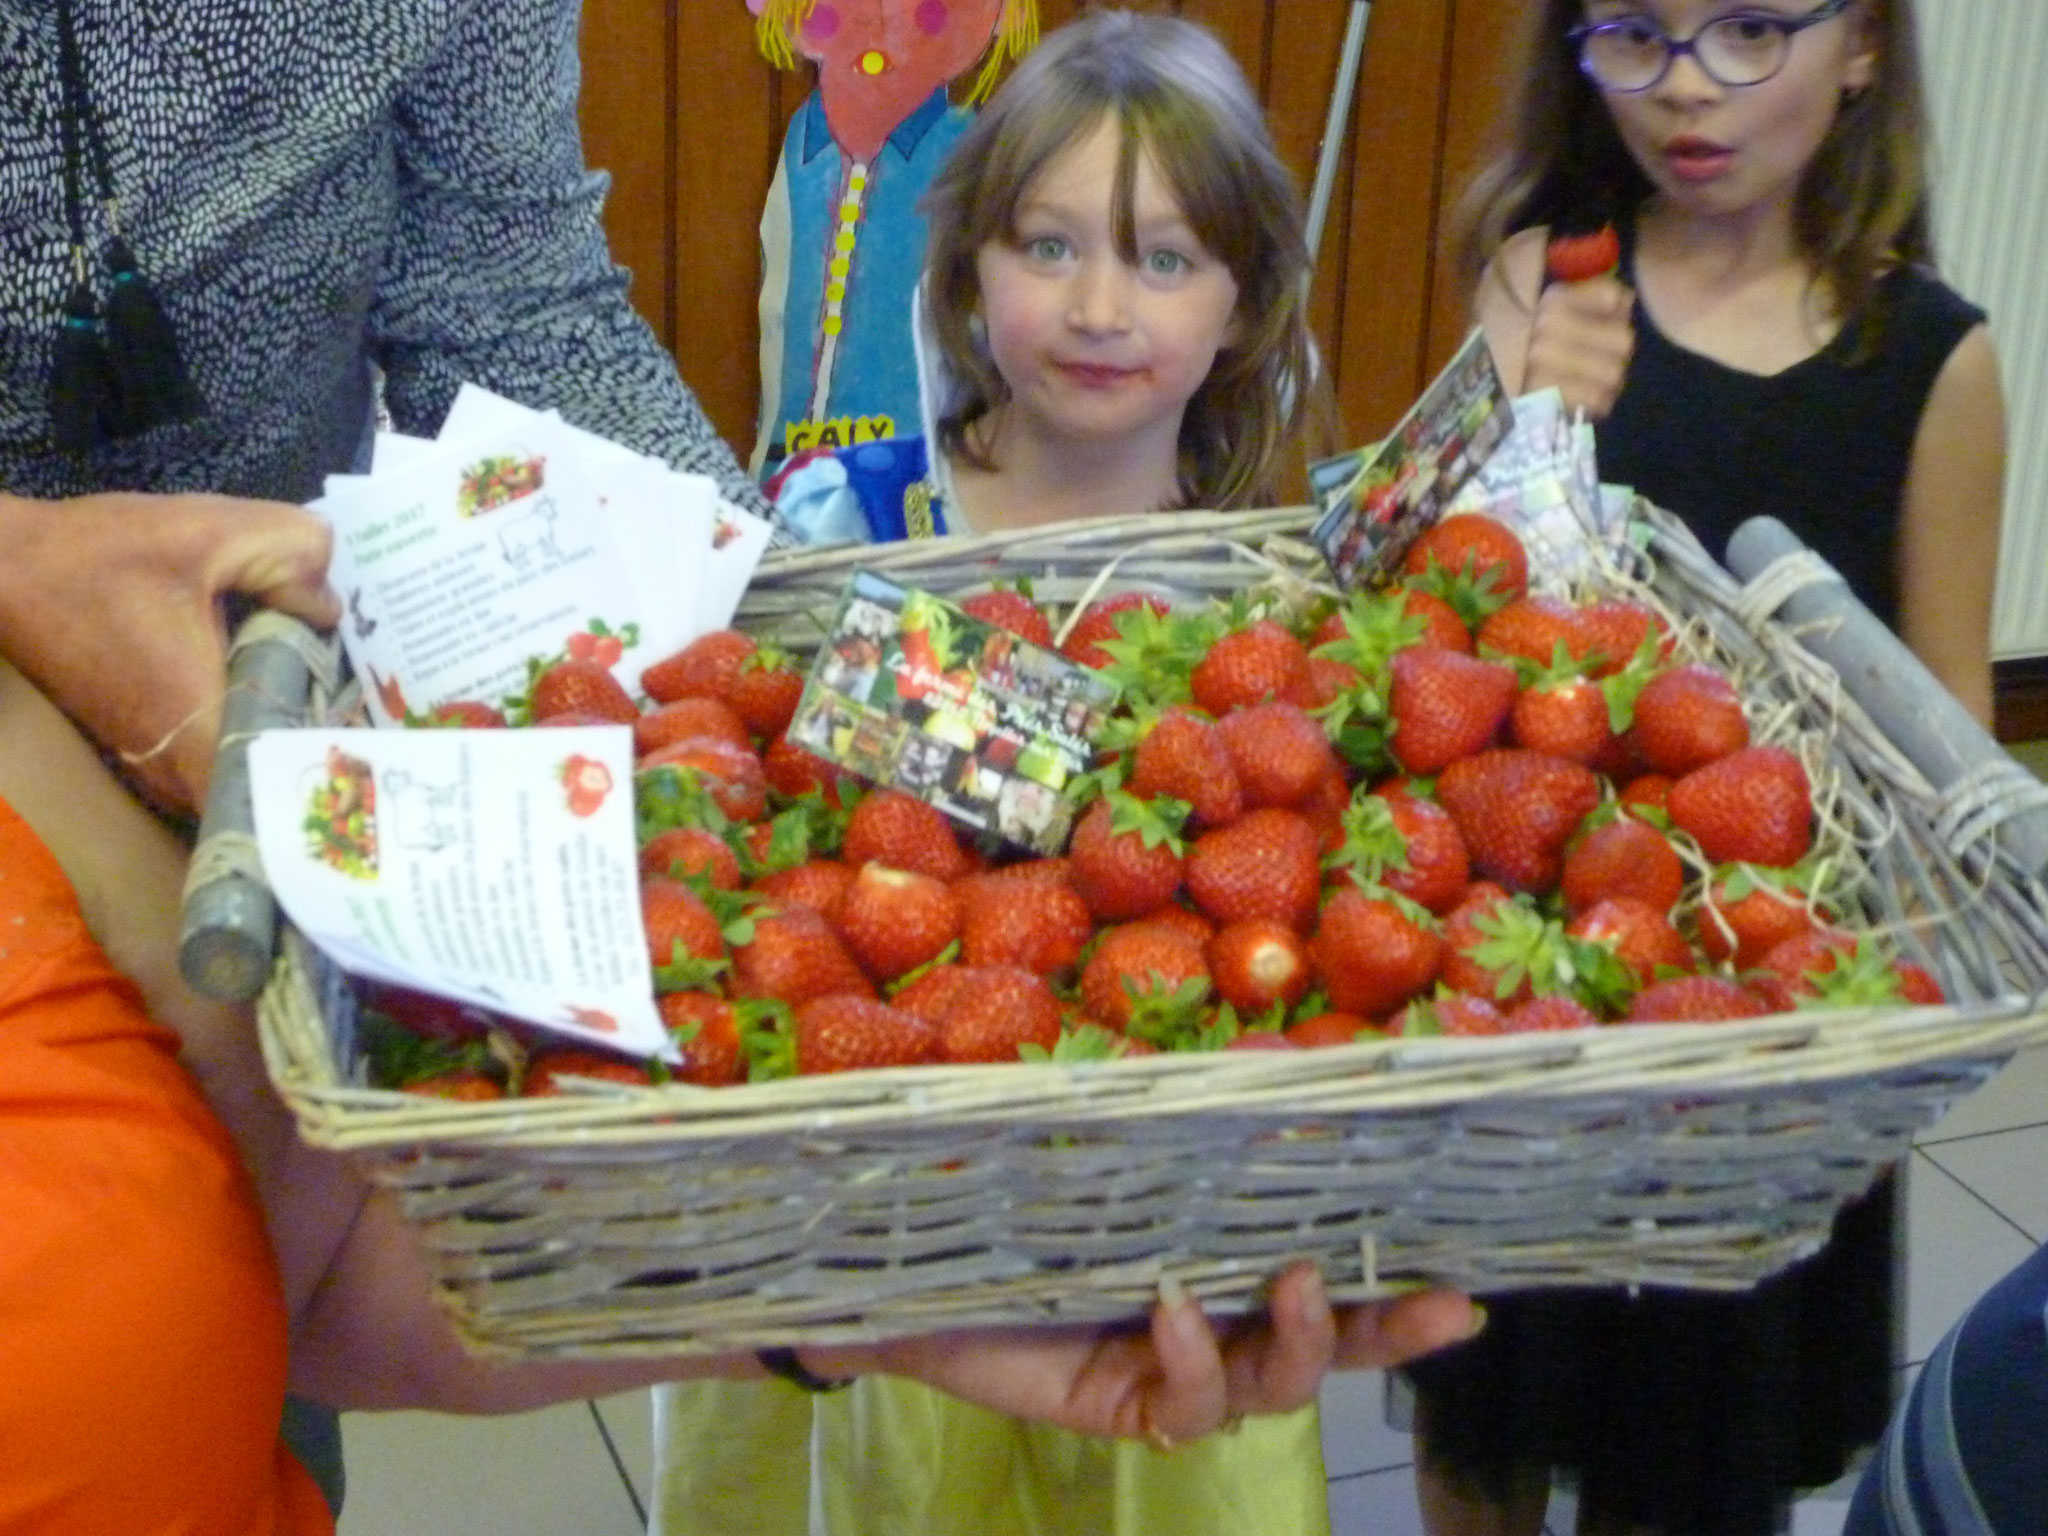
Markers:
{"x": 1761, "y": 332}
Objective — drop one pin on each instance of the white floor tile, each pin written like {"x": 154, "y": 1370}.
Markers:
{"x": 2017, "y": 1096}
{"x": 530, "y": 1474}
{"x": 1379, "y": 1504}
{"x": 1355, "y": 1433}
{"x": 1956, "y": 1248}
{"x": 2008, "y": 1170}
{"x": 630, "y": 1419}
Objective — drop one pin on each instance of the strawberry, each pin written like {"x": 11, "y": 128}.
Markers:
{"x": 996, "y": 1013}
{"x": 1125, "y": 858}
{"x": 1541, "y": 1013}
{"x": 1264, "y": 864}
{"x": 1013, "y": 611}
{"x": 706, "y": 1030}
{"x": 816, "y": 883}
{"x": 1040, "y": 925}
{"x": 1182, "y": 758}
{"x": 1450, "y": 1013}
{"x": 1329, "y": 680}
{"x": 1249, "y": 666}
{"x": 1324, "y": 1029}
{"x": 1051, "y": 871}
{"x": 1623, "y": 857}
{"x": 681, "y": 852}
{"x": 1567, "y": 717}
{"x": 731, "y": 774}
{"x": 1645, "y": 792}
{"x": 1259, "y": 1040}
{"x": 903, "y": 833}
{"x": 893, "y": 921}
{"x": 1482, "y": 550}
{"x": 1828, "y": 967}
{"x": 795, "y": 956}
{"x": 1693, "y": 1000}
{"x": 1687, "y": 717}
{"x": 1536, "y": 628}
{"x": 1409, "y": 845}
{"x": 1442, "y": 625}
{"x": 1516, "y": 810}
{"x": 1616, "y": 629}
{"x": 547, "y": 1067}
{"x": 1185, "y": 919}
{"x": 794, "y": 772}
{"x": 1577, "y": 258}
{"x": 467, "y": 714}
{"x": 1445, "y": 706}
{"x": 1259, "y": 963}
{"x": 851, "y": 1033}
{"x": 1280, "y": 753}
{"x": 667, "y": 724}
{"x": 1373, "y": 955}
{"x": 681, "y": 930}
{"x": 1640, "y": 935}
{"x": 464, "y": 1084}
{"x": 1747, "y": 914}
{"x": 580, "y": 688}
{"x": 703, "y": 669}
{"x": 1140, "y": 962}
{"x": 1751, "y": 807}
{"x": 934, "y": 992}
{"x": 1500, "y": 948}
{"x": 764, "y": 692}
{"x": 1098, "y": 622}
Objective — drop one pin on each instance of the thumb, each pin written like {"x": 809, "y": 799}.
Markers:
{"x": 278, "y": 555}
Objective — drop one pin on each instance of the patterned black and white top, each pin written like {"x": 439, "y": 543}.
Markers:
{"x": 314, "y": 186}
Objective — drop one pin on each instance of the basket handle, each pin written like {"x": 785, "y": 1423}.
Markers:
{"x": 1920, "y": 717}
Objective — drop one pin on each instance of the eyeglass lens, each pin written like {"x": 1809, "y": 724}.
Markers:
{"x": 1735, "y": 50}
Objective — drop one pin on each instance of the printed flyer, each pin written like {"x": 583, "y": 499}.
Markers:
{"x": 495, "y": 867}
{"x": 910, "y": 691}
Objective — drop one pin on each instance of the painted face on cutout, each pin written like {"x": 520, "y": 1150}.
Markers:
{"x": 1714, "y": 149}
{"x": 1095, "y": 348}
{"x": 878, "y": 60}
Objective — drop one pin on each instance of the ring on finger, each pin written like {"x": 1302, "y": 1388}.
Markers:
{"x": 1154, "y": 1436}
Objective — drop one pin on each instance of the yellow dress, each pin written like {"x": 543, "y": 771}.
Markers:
{"x": 892, "y": 1458}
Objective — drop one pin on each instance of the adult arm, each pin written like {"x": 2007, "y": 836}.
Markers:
{"x": 112, "y": 604}
{"x": 498, "y": 271}
{"x": 1948, "y": 531}
{"x": 1574, "y": 337}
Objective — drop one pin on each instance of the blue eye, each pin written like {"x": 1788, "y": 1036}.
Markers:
{"x": 1045, "y": 248}
{"x": 1167, "y": 263}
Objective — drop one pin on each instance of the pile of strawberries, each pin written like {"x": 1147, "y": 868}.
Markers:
{"x": 1450, "y": 806}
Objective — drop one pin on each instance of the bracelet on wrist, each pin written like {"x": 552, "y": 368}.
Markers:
{"x": 784, "y": 1363}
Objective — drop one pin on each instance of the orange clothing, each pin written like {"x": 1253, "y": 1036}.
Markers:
{"x": 142, "y": 1328}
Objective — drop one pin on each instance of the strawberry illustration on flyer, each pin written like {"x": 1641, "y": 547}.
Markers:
{"x": 496, "y": 868}
{"x": 910, "y": 691}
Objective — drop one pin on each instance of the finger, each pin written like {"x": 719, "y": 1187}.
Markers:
{"x": 1281, "y": 1367}
{"x": 277, "y": 554}
{"x": 1190, "y": 1396}
{"x": 1394, "y": 1332}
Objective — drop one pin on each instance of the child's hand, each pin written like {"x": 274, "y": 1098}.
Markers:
{"x": 1581, "y": 341}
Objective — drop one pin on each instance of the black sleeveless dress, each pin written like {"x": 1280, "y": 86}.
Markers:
{"x": 1689, "y": 1413}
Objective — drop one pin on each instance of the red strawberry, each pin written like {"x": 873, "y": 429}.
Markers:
{"x": 1746, "y": 916}
{"x": 1125, "y": 858}
{"x": 1098, "y": 622}
{"x": 1280, "y": 753}
{"x": 1640, "y": 935}
{"x": 1453, "y": 1013}
{"x": 1645, "y": 792}
{"x": 1136, "y": 962}
{"x": 703, "y": 669}
{"x": 581, "y": 688}
{"x": 682, "y": 852}
{"x": 1325, "y": 1029}
{"x": 817, "y": 884}
{"x": 1040, "y": 925}
{"x": 848, "y": 1033}
{"x": 892, "y": 921}
{"x": 1445, "y": 706}
{"x": 464, "y": 1085}
{"x": 1533, "y": 628}
{"x": 545, "y": 1068}
{"x": 680, "y": 928}
{"x": 1258, "y": 963}
{"x": 667, "y": 724}
{"x": 1841, "y": 971}
{"x": 1623, "y": 857}
{"x": 1264, "y": 864}
{"x": 706, "y": 1030}
{"x": 1183, "y": 758}
{"x": 1249, "y": 666}
{"x": 1409, "y": 845}
{"x": 1475, "y": 546}
{"x": 1687, "y": 717}
{"x": 467, "y": 714}
{"x": 1617, "y": 629}
{"x": 1751, "y": 807}
{"x": 1184, "y": 919}
{"x": 1441, "y": 624}
{"x": 1693, "y": 1000}
{"x": 933, "y": 994}
{"x": 1577, "y": 258}
{"x": 1516, "y": 810}
{"x": 765, "y": 693}
{"x": 903, "y": 833}
{"x": 1554, "y": 1012}
{"x": 1012, "y": 611}
{"x": 996, "y": 1013}
{"x": 794, "y": 772}
{"x": 1325, "y": 809}
{"x": 1373, "y": 956}
{"x": 1329, "y": 680}
{"x": 1566, "y": 718}
{"x": 1500, "y": 948}
{"x": 731, "y": 774}
{"x": 795, "y": 956}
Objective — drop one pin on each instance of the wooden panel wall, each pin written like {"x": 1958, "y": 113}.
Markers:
{"x": 687, "y": 117}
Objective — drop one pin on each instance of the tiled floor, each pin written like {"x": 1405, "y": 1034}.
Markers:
{"x": 1977, "y": 1203}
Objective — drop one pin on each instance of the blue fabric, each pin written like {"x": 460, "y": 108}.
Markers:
{"x": 1967, "y": 1452}
{"x": 873, "y": 493}
{"x": 876, "y": 371}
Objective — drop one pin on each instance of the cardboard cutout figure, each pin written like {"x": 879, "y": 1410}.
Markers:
{"x": 842, "y": 243}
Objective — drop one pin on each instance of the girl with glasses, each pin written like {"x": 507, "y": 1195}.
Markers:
{"x": 1773, "y": 340}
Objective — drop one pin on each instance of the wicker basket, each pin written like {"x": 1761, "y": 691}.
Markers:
{"x": 637, "y": 1221}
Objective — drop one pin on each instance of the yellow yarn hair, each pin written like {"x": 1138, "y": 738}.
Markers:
{"x": 1016, "y": 34}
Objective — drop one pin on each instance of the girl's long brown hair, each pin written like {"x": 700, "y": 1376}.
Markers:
{"x": 1179, "y": 99}
{"x": 1861, "y": 209}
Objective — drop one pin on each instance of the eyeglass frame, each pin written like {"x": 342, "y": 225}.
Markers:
{"x": 1675, "y": 48}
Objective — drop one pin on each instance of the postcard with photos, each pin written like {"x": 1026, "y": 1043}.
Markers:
{"x": 911, "y": 692}
{"x": 1401, "y": 487}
